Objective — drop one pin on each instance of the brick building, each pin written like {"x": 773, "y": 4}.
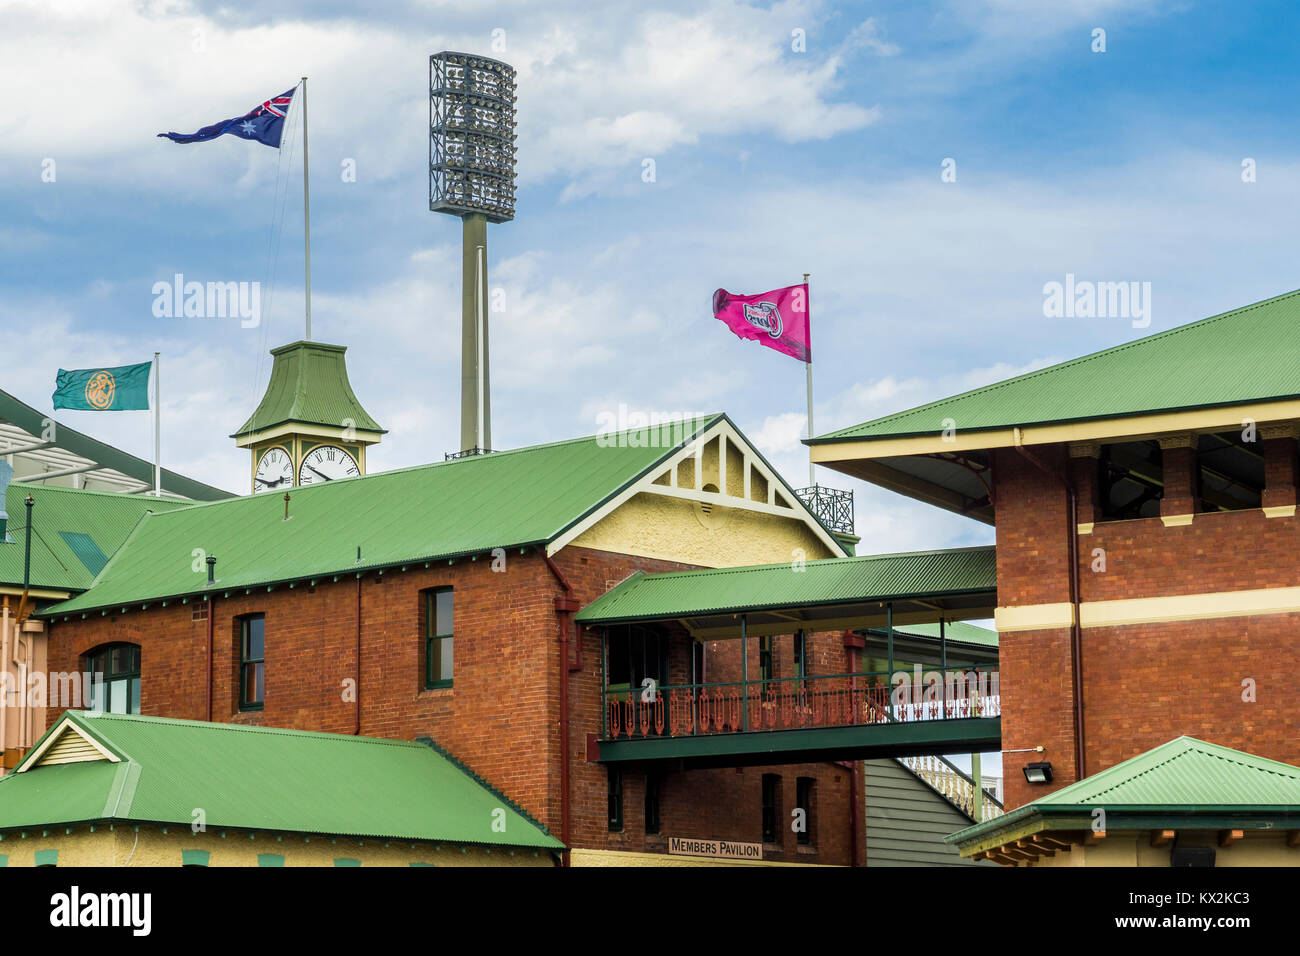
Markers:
{"x": 1148, "y": 568}
{"x": 439, "y": 602}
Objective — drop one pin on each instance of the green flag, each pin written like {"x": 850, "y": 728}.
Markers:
{"x": 125, "y": 388}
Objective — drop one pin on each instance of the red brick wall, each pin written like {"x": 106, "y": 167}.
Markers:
{"x": 719, "y": 804}
{"x": 501, "y": 717}
{"x": 1143, "y": 685}
{"x": 1223, "y": 551}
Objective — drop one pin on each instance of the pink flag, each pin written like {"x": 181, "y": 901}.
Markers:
{"x": 777, "y": 319}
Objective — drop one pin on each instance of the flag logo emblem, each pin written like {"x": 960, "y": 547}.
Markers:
{"x": 100, "y": 389}
{"x": 765, "y": 316}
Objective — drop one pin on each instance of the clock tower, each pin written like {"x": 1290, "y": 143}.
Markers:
{"x": 309, "y": 427}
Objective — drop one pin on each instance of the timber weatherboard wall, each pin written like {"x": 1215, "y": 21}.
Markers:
{"x": 907, "y": 821}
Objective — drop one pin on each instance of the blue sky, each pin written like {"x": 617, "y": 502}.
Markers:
{"x": 1117, "y": 166}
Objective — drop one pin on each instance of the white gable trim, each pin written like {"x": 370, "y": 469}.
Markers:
{"x": 694, "y": 450}
{"x": 64, "y": 727}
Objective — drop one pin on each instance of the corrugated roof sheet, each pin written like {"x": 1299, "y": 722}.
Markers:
{"x": 952, "y": 631}
{"x": 309, "y": 383}
{"x": 106, "y": 518}
{"x": 266, "y": 779}
{"x": 69, "y": 439}
{"x": 468, "y": 506}
{"x": 1247, "y": 355}
{"x": 774, "y": 586}
{"x": 1186, "y": 776}
{"x": 1185, "y": 771}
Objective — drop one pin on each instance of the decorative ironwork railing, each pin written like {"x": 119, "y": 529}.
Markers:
{"x": 833, "y": 506}
{"x": 954, "y": 785}
{"x": 834, "y": 700}
{"x": 467, "y": 453}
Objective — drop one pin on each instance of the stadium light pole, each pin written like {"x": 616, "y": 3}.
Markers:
{"x": 472, "y": 175}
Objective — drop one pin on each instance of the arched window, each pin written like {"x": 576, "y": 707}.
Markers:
{"x": 114, "y": 684}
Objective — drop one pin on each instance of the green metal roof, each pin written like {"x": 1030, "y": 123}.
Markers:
{"x": 764, "y": 587}
{"x": 956, "y": 631}
{"x": 1183, "y": 777}
{"x": 69, "y": 439}
{"x": 309, "y": 384}
{"x": 528, "y": 496}
{"x": 264, "y": 778}
{"x": 1250, "y": 354}
{"x": 68, "y": 527}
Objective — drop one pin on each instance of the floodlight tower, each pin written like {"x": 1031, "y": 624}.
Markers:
{"x": 472, "y": 175}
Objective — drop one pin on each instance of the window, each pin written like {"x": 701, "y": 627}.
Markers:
{"x": 1230, "y": 472}
{"x": 637, "y": 654}
{"x": 652, "y": 785}
{"x": 804, "y": 800}
{"x": 771, "y": 807}
{"x": 438, "y": 637}
{"x": 252, "y": 661}
{"x": 765, "y": 658}
{"x": 1131, "y": 480}
{"x": 194, "y": 857}
{"x": 270, "y": 859}
{"x": 46, "y": 858}
{"x": 800, "y": 654}
{"x": 615, "y": 800}
{"x": 346, "y": 861}
{"x": 114, "y": 679}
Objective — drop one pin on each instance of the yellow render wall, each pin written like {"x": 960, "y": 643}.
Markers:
{"x": 1130, "y": 849}
{"x": 674, "y": 529}
{"x": 119, "y": 847}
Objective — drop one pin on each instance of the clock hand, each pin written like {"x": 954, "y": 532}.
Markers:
{"x": 318, "y": 474}
{"x": 271, "y": 484}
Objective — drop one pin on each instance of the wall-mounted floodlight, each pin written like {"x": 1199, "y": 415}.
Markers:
{"x": 1038, "y": 772}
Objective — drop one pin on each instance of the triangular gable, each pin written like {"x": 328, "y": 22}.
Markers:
{"x": 718, "y": 468}
{"x": 66, "y": 742}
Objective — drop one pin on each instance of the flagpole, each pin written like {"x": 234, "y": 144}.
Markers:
{"x": 306, "y": 206}
{"x": 812, "y": 473}
{"x": 157, "y": 426}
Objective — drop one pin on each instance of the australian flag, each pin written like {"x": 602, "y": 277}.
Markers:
{"x": 264, "y": 123}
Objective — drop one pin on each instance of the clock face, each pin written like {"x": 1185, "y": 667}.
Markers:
{"x": 274, "y": 470}
{"x": 326, "y": 463}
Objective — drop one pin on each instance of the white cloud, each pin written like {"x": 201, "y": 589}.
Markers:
{"x": 596, "y": 91}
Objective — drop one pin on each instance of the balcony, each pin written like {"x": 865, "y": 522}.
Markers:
{"x": 791, "y": 720}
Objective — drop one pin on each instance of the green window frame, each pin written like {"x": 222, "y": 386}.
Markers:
{"x": 765, "y": 671}
{"x": 252, "y": 662}
{"x": 195, "y": 857}
{"x": 771, "y": 807}
{"x": 804, "y": 796}
{"x": 653, "y": 793}
{"x": 4, "y": 859}
{"x": 270, "y": 859}
{"x": 439, "y": 646}
{"x": 615, "y": 800}
{"x": 346, "y": 861}
{"x": 46, "y": 858}
{"x": 800, "y": 654}
{"x": 113, "y": 678}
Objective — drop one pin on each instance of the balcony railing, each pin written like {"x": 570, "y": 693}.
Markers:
{"x": 835, "y": 700}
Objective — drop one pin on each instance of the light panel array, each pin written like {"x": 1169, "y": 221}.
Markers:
{"x": 471, "y": 136}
